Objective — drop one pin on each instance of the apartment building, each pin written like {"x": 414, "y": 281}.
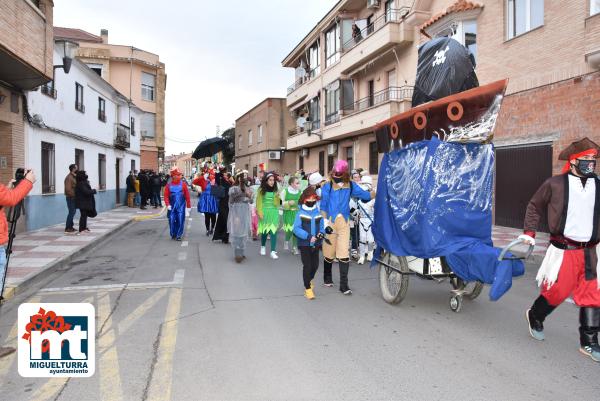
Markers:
{"x": 78, "y": 118}
{"x": 139, "y": 75}
{"x": 261, "y": 136}
{"x": 26, "y": 47}
{"x": 183, "y": 161}
{"x": 549, "y": 51}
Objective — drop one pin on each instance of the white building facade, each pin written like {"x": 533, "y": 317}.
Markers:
{"x": 79, "y": 118}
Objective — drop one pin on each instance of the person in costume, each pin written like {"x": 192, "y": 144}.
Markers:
{"x": 335, "y": 207}
{"x": 224, "y": 180}
{"x": 208, "y": 203}
{"x": 571, "y": 202}
{"x": 364, "y": 221}
{"x": 177, "y": 199}
{"x": 238, "y": 223}
{"x": 309, "y": 228}
{"x": 267, "y": 208}
{"x": 354, "y": 221}
{"x": 289, "y": 199}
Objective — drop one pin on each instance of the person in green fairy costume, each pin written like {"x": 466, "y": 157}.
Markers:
{"x": 267, "y": 208}
{"x": 289, "y": 199}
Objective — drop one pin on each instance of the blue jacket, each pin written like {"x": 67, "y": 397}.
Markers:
{"x": 336, "y": 200}
{"x": 308, "y": 224}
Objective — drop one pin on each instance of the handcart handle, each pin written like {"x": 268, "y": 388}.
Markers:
{"x": 510, "y": 246}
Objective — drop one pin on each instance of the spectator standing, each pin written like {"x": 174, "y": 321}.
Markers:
{"x": 84, "y": 200}
{"x": 130, "y": 182}
{"x": 138, "y": 197}
{"x": 156, "y": 185}
{"x": 144, "y": 189}
{"x": 70, "y": 184}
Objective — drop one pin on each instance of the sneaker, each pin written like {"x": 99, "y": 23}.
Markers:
{"x": 87, "y": 230}
{"x": 361, "y": 260}
{"x": 536, "y": 328}
{"x": 309, "y": 294}
{"x": 328, "y": 284}
{"x": 593, "y": 351}
{"x": 69, "y": 230}
{"x": 347, "y": 292}
{"x": 295, "y": 251}
{"x": 263, "y": 250}
{"x": 370, "y": 256}
{"x": 274, "y": 255}
{"x": 178, "y": 239}
{"x": 354, "y": 254}
{"x": 286, "y": 245}
{"x": 238, "y": 259}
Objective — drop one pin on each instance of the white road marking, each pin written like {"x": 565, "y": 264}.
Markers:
{"x": 184, "y": 243}
{"x": 182, "y": 256}
{"x": 177, "y": 281}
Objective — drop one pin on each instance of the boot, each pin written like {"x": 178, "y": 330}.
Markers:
{"x": 361, "y": 260}
{"x": 370, "y": 256}
{"x": 309, "y": 294}
{"x": 589, "y": 325}
{"x": 536, "y": 316}
{"x": 344, "y": 267}
{"x": 327, "y": 275}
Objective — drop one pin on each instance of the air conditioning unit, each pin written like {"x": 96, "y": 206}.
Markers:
{"x": 332, "y": 149}
{"x": 372, "y": 4}
{"x": 274, "y": 155}
{"x": 304, "y": 152}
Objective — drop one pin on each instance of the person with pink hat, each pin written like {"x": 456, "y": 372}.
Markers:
{"x": 335, "y": 208}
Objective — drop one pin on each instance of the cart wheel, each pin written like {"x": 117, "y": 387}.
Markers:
{"x": 456, "y": 303}
{"x": 392, "y": 283}
{"x": 473, "y": 289}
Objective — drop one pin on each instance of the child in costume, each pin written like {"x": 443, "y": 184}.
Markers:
{"x": 289, "y": 199}
{"x": 335, "y": 207}
{"x": 309, "y": 228}
{"x": 365, "y": 212}
{"x": 177, "y": 199}
{"x": 208, "y": 203}
{"x": 267, "y": 209}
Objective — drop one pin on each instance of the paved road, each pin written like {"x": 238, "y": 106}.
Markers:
{"x": 193, "y": 325}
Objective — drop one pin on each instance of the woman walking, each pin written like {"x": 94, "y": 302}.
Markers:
{"x": 84, "y": 200}
{"x": 267, "y": 208}
{"x": 208, "y": 203}
{"x": 289, "y": 198}
{"x": 220, "y": 231}
{"x": 177, "y": 199}
{"x": 238, "y": 223}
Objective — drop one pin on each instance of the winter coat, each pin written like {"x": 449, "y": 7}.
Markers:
{"x": 84, "y": 196}
{"x": 10, "y": 198}
{"x": 308, "y": 223}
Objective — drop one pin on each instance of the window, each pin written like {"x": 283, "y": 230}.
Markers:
{"x": 314, "y": 113}
{"x": 389, "y": 7}
{"x": 523, "y": 16}
{"x": 373, "y": 158}
{"x": 148, "y": 85}
{"x": 391, "y": 78}
{"x": 132, "y": 126}
{"x": 330, "y": 162}
{"x": 132, "y": 165}
{"x": 463, "y": 31}
{"x": 239, "y": 141}
{"x": 314, "y": 60}
{"x": 14, "y": 102}
{"x": 260, "y": 134}
{"x": 594, "y": 7}
{"x": 350, "y": 157}
{"x": 48, "y": 168}
{"x": 322, "y": 162}
{"x": 332, "y": 45}
{"x": 332, "y": 103}
{"x": 79, "y": 98}
{"x": 79, "y": 159}
{"x": 254, "y": 171}
{"x": 97, "y": 68}
{"x": 101, "y": 109}
{"x": 300, "y": 162}
{"x": 249, "y": 137}
{"x": 470, "y": 36}
{"x": 48, "y": 89}
{"x": 148, "y": 125}
{"x": 101, "y": 171}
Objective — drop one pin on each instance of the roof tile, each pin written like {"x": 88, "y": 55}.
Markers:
{"x": 460, "y": 5}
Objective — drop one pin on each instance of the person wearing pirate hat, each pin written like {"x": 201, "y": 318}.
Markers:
{"x": 335, "y": 208}
{"x": 571, "y": 202}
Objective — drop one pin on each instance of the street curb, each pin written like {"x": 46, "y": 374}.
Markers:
{"x": 10, "y": 292}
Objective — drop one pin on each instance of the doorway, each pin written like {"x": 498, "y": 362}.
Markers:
{"x": 118, "y": 180}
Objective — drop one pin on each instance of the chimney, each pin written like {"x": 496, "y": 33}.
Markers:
{"x": 104, "y": 35}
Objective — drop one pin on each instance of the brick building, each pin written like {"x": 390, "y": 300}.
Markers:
{"x": 26, "y": 49}
{"x": 549, "y": 50}
{"x": 261, "y": 135}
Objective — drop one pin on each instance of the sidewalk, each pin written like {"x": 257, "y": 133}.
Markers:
{"x": 40, "y": 252}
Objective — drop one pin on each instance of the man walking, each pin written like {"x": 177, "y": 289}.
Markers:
{"x": 70, "y": 183}
{"x": 571, "y": 203}
{"x": 130, "y": 182}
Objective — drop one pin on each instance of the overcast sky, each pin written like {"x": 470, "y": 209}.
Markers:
{"x": 222, "y": 57}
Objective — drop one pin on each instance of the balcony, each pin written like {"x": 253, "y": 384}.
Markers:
{"x": 393, "y": 93}
{"x": 122, "y": 136}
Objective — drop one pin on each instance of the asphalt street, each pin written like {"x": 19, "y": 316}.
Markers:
{"x": 183, "y": 321}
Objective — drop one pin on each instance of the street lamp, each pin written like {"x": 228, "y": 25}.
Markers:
{"x": 67, "y": 50}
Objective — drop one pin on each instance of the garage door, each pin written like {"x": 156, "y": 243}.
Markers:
{"x": 519, "y": 173}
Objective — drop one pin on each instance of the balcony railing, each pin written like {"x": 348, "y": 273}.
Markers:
{"x": 397, "y": 93}
{"x": 49, "y": 90}
{"x": 122, "y": 135}
{"x": 304, "y": 79}
{"x": 316, "y": 125}
{"x": 332, "y": 118}
{"x": 395, "y": 15}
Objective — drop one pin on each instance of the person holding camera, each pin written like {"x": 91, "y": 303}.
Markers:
{"x": 10, "y": 197}
{"x": 84, "y": 200}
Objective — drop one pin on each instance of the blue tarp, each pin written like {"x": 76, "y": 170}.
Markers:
{"x": 434, "y": 199}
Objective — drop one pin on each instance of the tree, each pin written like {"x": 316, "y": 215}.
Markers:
{"x": 229, "y": 154}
